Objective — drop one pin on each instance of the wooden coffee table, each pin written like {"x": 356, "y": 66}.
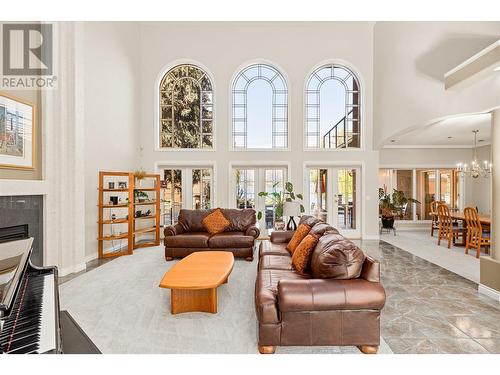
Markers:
{"x": 194, "y": 281}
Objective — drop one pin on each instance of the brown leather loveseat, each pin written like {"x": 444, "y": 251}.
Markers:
{"x": 189, "y": 234}
{"x": 338, "y": 302}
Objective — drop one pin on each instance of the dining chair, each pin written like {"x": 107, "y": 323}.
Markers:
{"x": 435, "y": 222}
{"x": 447, "y": 231}
{"x": 477, "y": 237}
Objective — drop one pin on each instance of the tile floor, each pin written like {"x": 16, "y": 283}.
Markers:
{"x": 429, "y": 309}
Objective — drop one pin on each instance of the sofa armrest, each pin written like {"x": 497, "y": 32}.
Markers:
{"x": 371, "y": 270}
{"x": 329, "y": 294}
{"x": 253, "y": 231}
{"x": 281, "y": 236}
{"x": 173, "y": 230}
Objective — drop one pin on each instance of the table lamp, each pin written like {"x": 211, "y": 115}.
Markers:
{"x": 291, "y": 209}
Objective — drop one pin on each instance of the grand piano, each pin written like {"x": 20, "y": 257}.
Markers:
{"x": 29, "y": 302}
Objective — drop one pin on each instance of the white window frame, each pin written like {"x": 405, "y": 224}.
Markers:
{"x": 156, "y": 109}
{"x": 286, "y": 81}
{"x": 361, "y": 214}
{"x": 362, "y": 112}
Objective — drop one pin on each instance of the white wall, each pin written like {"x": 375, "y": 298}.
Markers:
{"x": 111, "y": 101}
{"x": 296, "y": 48}
{"x": 409, "y": 64}
{"x": 481, "y": 188}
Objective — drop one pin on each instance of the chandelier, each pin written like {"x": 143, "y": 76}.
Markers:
{"x": 475, "y": 169}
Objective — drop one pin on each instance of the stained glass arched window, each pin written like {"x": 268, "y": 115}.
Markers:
{"x": 333, "y": 108}
{"x": 260, "y": 108}
{"x": 186, "y": 108}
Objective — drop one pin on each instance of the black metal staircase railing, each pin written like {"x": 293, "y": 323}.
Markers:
{"x": 341, "y": 140}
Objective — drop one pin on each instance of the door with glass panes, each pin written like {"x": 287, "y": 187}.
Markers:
{"x": 249, "y": 181}
{"x": 334, "y": 196}
{"x": 185, "y": 187}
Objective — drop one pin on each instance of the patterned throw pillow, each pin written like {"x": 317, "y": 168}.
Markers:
{"x": 298, "y": 236}
{"x": 301, "y": 258}
{"x": 216, "y": 222}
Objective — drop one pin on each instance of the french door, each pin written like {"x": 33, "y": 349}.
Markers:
{"x": 185, "y": 187}
{"x": 334, "y": 196}
{"x": 247, "y": 182}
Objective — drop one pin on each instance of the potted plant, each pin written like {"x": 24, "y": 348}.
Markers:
{"x": 278, "y": 200}
{"x": 140, "y": 196}
{"x": 390, "y": 204}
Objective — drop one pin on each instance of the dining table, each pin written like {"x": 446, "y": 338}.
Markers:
{"x": 459, "y": 215}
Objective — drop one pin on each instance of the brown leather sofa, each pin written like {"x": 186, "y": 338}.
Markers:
{"x": 337, "y": 303}
{"x": 189, "y": 234}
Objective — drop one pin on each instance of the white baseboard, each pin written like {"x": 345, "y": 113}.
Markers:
{"x": 72, "y": 269}
{"x": 371, "y": 237}
{"x": 487, "y": 291}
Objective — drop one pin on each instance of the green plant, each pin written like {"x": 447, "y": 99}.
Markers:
{"x": 278, "y": 199}
{"x": 138, "y": 194}
{"x": 391, "y": 203}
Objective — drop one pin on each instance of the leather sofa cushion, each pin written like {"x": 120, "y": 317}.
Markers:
{"x": 321, "y": 228}
{"x": 230, "y": 239}
{"x": 275, "y": 262}
{"x": 192, "y": 220}
{"x": 191, "y": 239}
{"x": 271, "y": 248}
{"x": 310, "y": 220}
{"x": 240, "y": 220}
{"x": 336, "y": 258}
{"x": 321, "y": 295}
{"x": 266, "y": 293}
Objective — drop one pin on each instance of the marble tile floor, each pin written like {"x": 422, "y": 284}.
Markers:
{"x": 429, "y": 309}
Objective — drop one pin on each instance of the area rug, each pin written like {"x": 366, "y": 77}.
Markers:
{"x": 121, "y": 308}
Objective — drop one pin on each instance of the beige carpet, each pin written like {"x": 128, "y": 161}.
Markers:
{"x": 122, "y": 309}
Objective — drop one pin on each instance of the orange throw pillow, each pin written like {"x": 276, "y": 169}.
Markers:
{"x": 298, "y": 236}
{"x": 301, "y": 258}
{"x": 215, "y": 222}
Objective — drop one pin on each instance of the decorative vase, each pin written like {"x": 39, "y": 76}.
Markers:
{"x": 279, "y": 225}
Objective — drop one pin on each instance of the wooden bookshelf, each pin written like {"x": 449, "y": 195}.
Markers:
{"x": 124, "y": 212}
{"x": 149, "y": 224}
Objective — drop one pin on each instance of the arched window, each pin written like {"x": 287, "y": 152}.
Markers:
{"x": 333, "y": 108}
{"x": 260, "y": 108}
{"x": 186, "y": 108}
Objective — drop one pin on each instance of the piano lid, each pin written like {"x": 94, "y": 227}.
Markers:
{"x": 13, "y": 258}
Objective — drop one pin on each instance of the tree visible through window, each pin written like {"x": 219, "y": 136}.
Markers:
{"x": 186, "y": 108}
{"x": 260, "y": 108}
{"x": 332, "y": 108}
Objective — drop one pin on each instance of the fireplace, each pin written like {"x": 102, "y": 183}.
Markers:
{"x": 22, "y": 213}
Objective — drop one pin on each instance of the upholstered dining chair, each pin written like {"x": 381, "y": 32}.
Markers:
{"x": 447, "y": 231}
{"x": 476, "y": 235}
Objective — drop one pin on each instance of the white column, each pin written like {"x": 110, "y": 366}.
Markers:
{"x": 495, "y": 201}
{"x": 490, "y": 265}
{"x": 64, "y": 204}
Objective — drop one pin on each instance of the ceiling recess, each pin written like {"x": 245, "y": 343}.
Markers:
{"x": 485, "y": 59}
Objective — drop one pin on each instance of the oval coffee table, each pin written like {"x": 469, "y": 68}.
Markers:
{"x": 194, "y": 281}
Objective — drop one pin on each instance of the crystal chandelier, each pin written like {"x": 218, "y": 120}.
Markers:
{"x": 475, "y": 169}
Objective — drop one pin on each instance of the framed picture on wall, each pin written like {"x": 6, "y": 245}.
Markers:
{"x": 17, "y": 133}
